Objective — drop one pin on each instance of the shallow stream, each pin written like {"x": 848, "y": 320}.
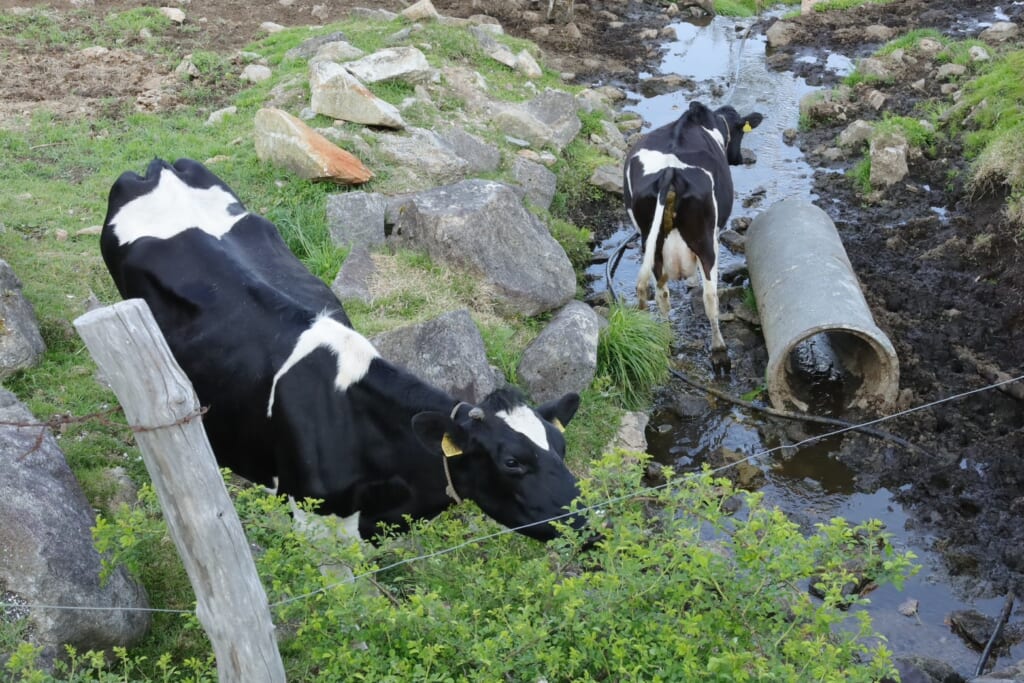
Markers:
{"x": 811, "y": 483}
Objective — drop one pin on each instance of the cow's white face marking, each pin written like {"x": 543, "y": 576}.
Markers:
{"x": 523, "y": 420}
{"x": 353, "y": 352}
{"x": 173, "y": 207}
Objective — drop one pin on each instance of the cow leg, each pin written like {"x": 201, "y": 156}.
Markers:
{"x": 719, "y": 353}
{"x": 661, "y": 294}
{"x": 647, "y": 266}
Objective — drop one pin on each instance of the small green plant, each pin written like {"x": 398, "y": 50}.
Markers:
{"x": 909, "y": 41}
{"x": 860, "y": 175}
{"x": 129, "y": 23}
{"x": 574, "y": 240}
{"x": 633, "y": 350}
{"x": 831, "y": 5}
{"x": 917, "y": 133}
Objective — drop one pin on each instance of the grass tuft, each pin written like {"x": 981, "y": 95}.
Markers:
{"x": 633, "y": 350}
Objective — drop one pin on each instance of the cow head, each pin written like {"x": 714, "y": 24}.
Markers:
{"x": 507, "y": 457}
{"x": 733, "y": 126}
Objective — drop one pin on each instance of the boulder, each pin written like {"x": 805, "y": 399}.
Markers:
{"x": 336, "y": 93}
{"x": 21, "y": 345}
{"x": 424, "y": 155}
{"x": 549, "y": 119}
{"x": 536, "y": 179}
{"x": 563, "y": 357}
{"x": 356, "y": 219}
{"x": 286, "y": 141}
{"x": 354, "y": 276}
{"x": 888, "y": 159}
{"x": 482, "y": 226}
{"x": 48, "y": 557}
{"x": 405, "y": 64}
{"x": 308, "y": 48}
{"x": 781, "y": 33}
{"x": 608, "y": 178}
{"x": 447, "y": 352}
{"x": 1000, "y": 32}
{"x": 479, "y": 155}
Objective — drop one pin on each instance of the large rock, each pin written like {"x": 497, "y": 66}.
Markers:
{"x": 1000, "y": 32}
{"x": 336, "y": 93}
{"x": 563, "y": 357}
{"x": 393, "y": 64}
{"x": 540, "y": 183}
{"x": 286, "y": 141}
{"x": 447, "y": 352}
{"x": 426, "y": 157}
{"x": 481, "y": 226}
{"x": 354, "y": 277}
{"x": 310, "y": 47}
{"x": 356, "y": 218}
{"x": 888, "y": 159}
{"x": 548, "y": 120}
{"x": 781, "y": 33}
{"x": 479, "y": 155}
{"x": 21, "y": 345}
{"x": 46, "y": 551}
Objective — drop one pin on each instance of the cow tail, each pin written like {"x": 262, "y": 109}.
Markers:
{"x": 669, "y": 194}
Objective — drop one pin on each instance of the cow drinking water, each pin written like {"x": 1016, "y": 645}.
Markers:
{"x": 678, "y": 192}
{"x": 295, "y": 396}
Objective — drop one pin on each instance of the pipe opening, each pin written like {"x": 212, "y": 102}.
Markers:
{"x": 827, "y": 372}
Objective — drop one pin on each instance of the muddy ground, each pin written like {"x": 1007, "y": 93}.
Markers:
{"x": 949, "y": 291}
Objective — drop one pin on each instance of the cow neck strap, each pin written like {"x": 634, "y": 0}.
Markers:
{"x": 450, "y": 488}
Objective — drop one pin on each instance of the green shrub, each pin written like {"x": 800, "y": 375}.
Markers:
{"x": 677, "y": 589}
{"x": 633, "y": 350}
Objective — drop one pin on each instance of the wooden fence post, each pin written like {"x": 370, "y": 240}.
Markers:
{"x": 162, "y": 408}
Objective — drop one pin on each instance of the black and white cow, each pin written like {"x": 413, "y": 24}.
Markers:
{"x": 295, "y": 395}
{"x": 678, "y": 192}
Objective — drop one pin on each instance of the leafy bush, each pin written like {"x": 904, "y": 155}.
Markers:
{"x": 633, "y": 350}
{"x": 676, "y": 590}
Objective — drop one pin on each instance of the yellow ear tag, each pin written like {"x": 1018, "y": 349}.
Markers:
{"x": 746, "y": 127}
{"x": 558, "y": 424}
{"x": 449, "y": 448}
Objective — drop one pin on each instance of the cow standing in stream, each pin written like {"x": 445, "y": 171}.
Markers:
{"x": 298, "y": 399}
{"x": 678, "y": 192}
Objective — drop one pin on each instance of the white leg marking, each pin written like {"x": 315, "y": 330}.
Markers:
{"x": 650, "y": 248}
{"x": 710, "y": 285}
{"x": 173, "y": 207}
{"x": 353, "y": 351}
{"x": 523, "y": 420}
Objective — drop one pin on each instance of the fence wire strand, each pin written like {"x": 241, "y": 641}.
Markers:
{"x": 598, "y": 506}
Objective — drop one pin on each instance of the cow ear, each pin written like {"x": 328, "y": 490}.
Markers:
{"x": 438, "y": 434}
{"x": 561, "y": 410}
{"x": 752, "y": 121}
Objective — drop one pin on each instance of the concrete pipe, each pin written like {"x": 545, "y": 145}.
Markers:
{"x": 811, "y": 305}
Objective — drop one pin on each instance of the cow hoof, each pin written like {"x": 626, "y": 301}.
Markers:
{"x": 720, "y": 362}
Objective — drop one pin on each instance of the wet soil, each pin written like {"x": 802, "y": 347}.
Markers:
{"x": 947, "y": 288}
{"x": 943, "y": 273}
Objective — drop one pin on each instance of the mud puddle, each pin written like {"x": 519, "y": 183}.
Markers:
{"x": 728, "y": 66}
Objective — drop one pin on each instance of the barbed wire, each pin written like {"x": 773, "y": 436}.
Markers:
{"x": 509, "y": 530}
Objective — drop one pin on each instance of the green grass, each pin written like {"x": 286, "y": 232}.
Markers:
{"x": 833, "y": 5}
{"x": 745, "y": 8}
{"x": 633, "y": 351}
{"x": 860, "y": 175}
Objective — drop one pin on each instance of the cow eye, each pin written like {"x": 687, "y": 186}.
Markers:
{"x": 513, "y": 465}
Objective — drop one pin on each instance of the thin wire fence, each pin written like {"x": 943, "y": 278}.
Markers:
{"x": 598, "y": 506}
